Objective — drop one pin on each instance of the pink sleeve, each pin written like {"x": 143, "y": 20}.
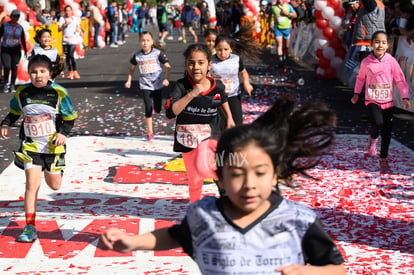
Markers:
{"x": 360, "y": 79}
{"x": 400, "y": 80}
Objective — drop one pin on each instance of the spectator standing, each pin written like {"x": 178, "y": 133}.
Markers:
{"x": 122, "y": 24}
{"x": 187, "y": 16}
{"x": 142, "y": 14}
{"x": 350, "y": 25}
{"x": 70, "y": 26}
{"x": 97, "y": 22}
{"x": 204, "y": 17}
{"x": 111, "y": 17}
{"x": 175, "y": 21}
{"x": 162, "y": 14}
{"x": 12, "y": 39}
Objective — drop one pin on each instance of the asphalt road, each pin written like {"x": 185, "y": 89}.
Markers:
{"x": 107, "y": 108}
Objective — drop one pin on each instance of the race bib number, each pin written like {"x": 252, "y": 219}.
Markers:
{"x": 148, "y": 66}
{"x": 191, "y": 135}
{"x": 12, "y": 41}
{"x": 39, "y": 126}
{"x": 228, "y": 83}
{"x": 379, "y": 91}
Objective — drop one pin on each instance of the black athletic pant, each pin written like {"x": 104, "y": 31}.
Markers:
{"x": 70, "y": 56}
{"x": 10, "y": 60}
{"x": 381, "y": 120}
{"x": 236, "y": 109}
{"x": 149, "y": 97}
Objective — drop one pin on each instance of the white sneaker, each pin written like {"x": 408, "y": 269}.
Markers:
{"x": 180, "y": 38}
{"x": 113, "y": 46}
{"x": 162, "y": 43}
{"x": 170, "y": 38}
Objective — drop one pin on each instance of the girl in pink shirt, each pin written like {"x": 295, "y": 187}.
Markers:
{"x": 378, "y": 72}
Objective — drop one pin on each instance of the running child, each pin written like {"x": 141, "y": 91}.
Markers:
{"x": 378, "y": 72}
{"x": 48, "y": 118}
{"x": 210, "y": 36}
{"x": 150, "y": 60}
{"x": 195, "y": 101}
{"x": 228, "y": 67}
{"x": 251, "y": 227}
{"x": 43, "y": 47}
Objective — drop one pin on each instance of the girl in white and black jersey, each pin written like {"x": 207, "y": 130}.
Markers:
{"x": 150, "y": 60}
{"x": 228, "y": 67}
{"x": 43, "y": 47}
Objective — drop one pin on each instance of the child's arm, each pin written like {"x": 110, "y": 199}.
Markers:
{"x": 360, "y": 80}
{"x": 244, "y": 75}
{"x": 166, "y": 81}
{"x": 130, "y": 74}
{"x": 226, "y": 108}
{"x": 180, "y": 104}
{"x": 115, "y": 239}
{"x": 311, "y": 269}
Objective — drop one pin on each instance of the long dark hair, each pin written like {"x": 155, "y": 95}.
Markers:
{"x": 54, "y": 68}
{"x": 294, "y": 138}
{"x": 242, "y": 43}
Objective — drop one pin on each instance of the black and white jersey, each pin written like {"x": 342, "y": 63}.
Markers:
{"x": 287, "y": 233}
{"x": 51, "y": 53}
{"x": 150, "y": 70}
{"x": 228, "y": 72}
{"x": 202, "y": 110}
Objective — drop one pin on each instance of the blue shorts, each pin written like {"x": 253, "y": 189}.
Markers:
{"x": 282, "y": 32}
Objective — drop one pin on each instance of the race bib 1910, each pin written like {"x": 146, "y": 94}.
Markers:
{"x": 39, "y": 126}
{"x": 379, "y": 91}
{"x": 190, "y": 135}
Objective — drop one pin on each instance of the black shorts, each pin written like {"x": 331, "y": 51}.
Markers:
{"x": 187, "y": 25}
{"x": 163, "y": 27}
{"x": 51, "y": 163}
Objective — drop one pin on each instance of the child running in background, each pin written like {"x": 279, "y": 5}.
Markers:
{"x": 228, "y": 67}
{"x": 48, "y": 117}
{"x": 43, "y": 47}
{"x": 210, "y": 36}
{"x": 378, "y": 72}
{"x": 195, "y": 101}
{"x": 150, "y": 60}
{"x": 251, "y": 226}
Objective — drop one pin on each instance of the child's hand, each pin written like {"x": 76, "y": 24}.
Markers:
{"x": 248, "y": 88}
{"x": 115, "y": 239}
{"x": 59, "y": 140}
{"x": 127, "y": 84}
{"x": 355, "y": 98}
{"x": 4, "y": 131}
{"x": 407, "y": 103}
{"x": 292, "y": 269}
{"x": 165, "y": 82}
{"x": 198, "y": 89}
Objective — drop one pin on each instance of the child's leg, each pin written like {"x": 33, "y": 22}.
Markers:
{"x": 33, "y": 180}
{"x": 195, "y": 181}
{"x": 157, "y": 97}
{"x": 375, "y": 114}
{"x": 386, "y": 131}
{"x": 147, "y": 95}
{"x": 236, "y": 109}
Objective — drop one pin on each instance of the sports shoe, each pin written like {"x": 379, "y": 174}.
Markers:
{"x": 6, "y": 88}
{"x": 150, "y": 137}
{"x": 113, "y": 45}
{"x": 70, "y": 75}
{"x": 384, "y": 165}
{"x": 29, "y": 234}
{"x": 372, "y": 146}
{"x": 184, "y": 41}
{"x": 76, "y": 74}
{"x": 180, "y": 38}
{"x": 12, "y": 88}
{"x": 170, "y": 37}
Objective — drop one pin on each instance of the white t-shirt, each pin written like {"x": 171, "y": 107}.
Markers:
{"x": 70, "y": 33}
